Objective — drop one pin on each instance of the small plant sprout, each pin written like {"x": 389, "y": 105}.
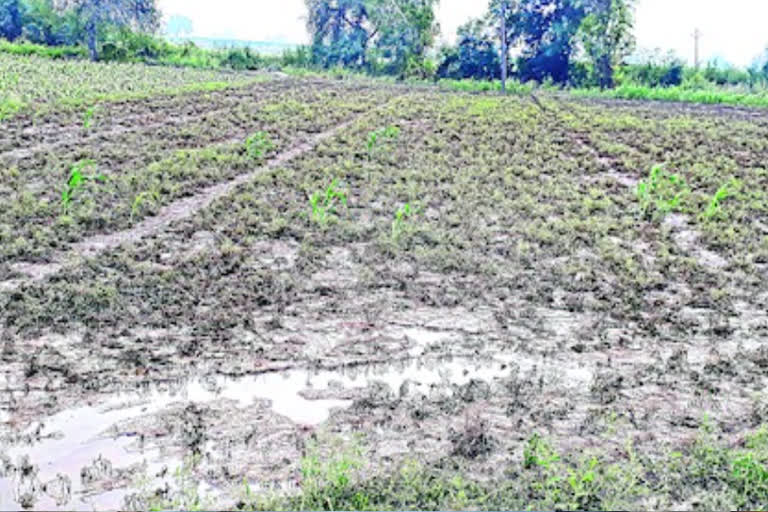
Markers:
{"x": 88, "y": 118}
{"x": 258, "y": 144}
{"x": 399, "y": 224}
{"x": 661, "y": 193}
{"x": 391, "y": 132}
{"x": 151, "y": 196}
{"x": 324, "y": 203}
{"x": 77, "y": 180}
{"x": 724, "y": 192}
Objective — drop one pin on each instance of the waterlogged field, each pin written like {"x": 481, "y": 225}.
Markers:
{"x": 323, "y": 295}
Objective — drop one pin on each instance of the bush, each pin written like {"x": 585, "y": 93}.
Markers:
{"x": 242, "y": 59}
{"x": 52, "y": 52}
{"x": 300, "y": 57}
{"x": 653, "y": 74}
{"x": 474, "y": 58}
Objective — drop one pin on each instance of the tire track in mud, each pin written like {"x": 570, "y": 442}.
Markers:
{"x": 173, "y": 212}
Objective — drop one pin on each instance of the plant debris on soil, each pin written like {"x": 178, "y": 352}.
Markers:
{"x": 527, "y": 336}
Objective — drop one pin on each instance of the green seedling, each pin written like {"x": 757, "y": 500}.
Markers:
{"x": 88, "y": 118}
{"x": 661, "y": 193}
{"x": 723, "y": 193}
{"x": 77, "y": 180}
{"x": 399, "y": 224}
{"x": 324, "y": 203}
{"x": 258, "y": 144}
{"x": 389, "y": 133}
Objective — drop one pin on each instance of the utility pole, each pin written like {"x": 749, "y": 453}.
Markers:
{"x": 503, "y": 46}
{"x": 696, "y": 39}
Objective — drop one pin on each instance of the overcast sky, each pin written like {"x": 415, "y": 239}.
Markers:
{"x": 736, "y": 30}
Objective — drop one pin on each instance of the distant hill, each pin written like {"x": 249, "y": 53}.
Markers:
{"x": 263, "y": 47}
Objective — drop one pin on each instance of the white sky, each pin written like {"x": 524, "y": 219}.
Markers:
{"x": 736, "y": 30}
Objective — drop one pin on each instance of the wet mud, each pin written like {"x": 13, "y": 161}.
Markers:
{"x": 527, "y": 297}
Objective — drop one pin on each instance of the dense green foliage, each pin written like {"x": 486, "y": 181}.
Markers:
{"x": 385, "y": 36}
{"x": 10, "y": 18}
{"x": 475, "y": 55}
{"x": 75, "y": 22}
{"x": 580, "y": 44}
{"x": 96, "y": 15}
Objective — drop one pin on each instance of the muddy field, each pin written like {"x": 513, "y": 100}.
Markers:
{"x": 524, "y": 305}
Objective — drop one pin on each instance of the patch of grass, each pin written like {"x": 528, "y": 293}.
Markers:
{"x": 148, "y": 196}
{"x": 9, "y": 107}
{"x": 470, "y": 85}
{"x": 377, "y": 136}
{"x": 327, "y": 480}
{"x": 258, "y": 145}
{"x": 335, "y": 476}
{"x": 713, "y": 96}
{"x": 25, "y": 48}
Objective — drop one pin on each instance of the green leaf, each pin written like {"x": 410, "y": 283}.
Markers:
{"x": 75, "y": 179}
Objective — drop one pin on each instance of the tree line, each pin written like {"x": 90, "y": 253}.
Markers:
{"x": 75, "y": 22}
{"x": 581, "y": 43}
{"x": 394, "y": 36}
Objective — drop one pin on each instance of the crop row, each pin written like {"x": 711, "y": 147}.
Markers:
{"x": 493, "y": 195}
{"x": 717, "y": 156}
{"x": 141, "y": 170}
{"x": 32, "y": 84}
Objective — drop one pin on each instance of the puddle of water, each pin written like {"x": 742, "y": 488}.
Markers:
{"x": 420, "y": 339}
{"x": 73, "y": 439}
{"x": 566, "y": 373}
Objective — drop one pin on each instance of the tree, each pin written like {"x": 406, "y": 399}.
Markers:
{"x": 45, "y": 23}
{"x": 96, "y": 14}
{"x": 10, "y": 19}
{"x": 351, "y": 33}
{"x": 606, "y": 36}
{"x": 405, "y": 29}
{"x": 546, "y": 30}
{"x": 476, "y": 54}
{"x": 179, "y": 26}
{"x": 341, "y": 32}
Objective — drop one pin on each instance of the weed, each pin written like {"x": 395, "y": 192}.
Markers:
{"x": 258, "y": 144}
{"x": 678, "y": 94}
{"x": 9, "y": 107}
{"x": 324, "y": 203}
{"x": 77, "y": 180}
{"x": 662, "y": 193}
{"x": 723, "y": 193}
{"x": 148, "y": 195}
{"x": 389, "y": 133}
{"x": 749, "y": 470}
{"x": 538, "y": 453}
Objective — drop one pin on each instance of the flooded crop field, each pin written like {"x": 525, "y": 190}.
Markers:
{"x": 321, "y": 294}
